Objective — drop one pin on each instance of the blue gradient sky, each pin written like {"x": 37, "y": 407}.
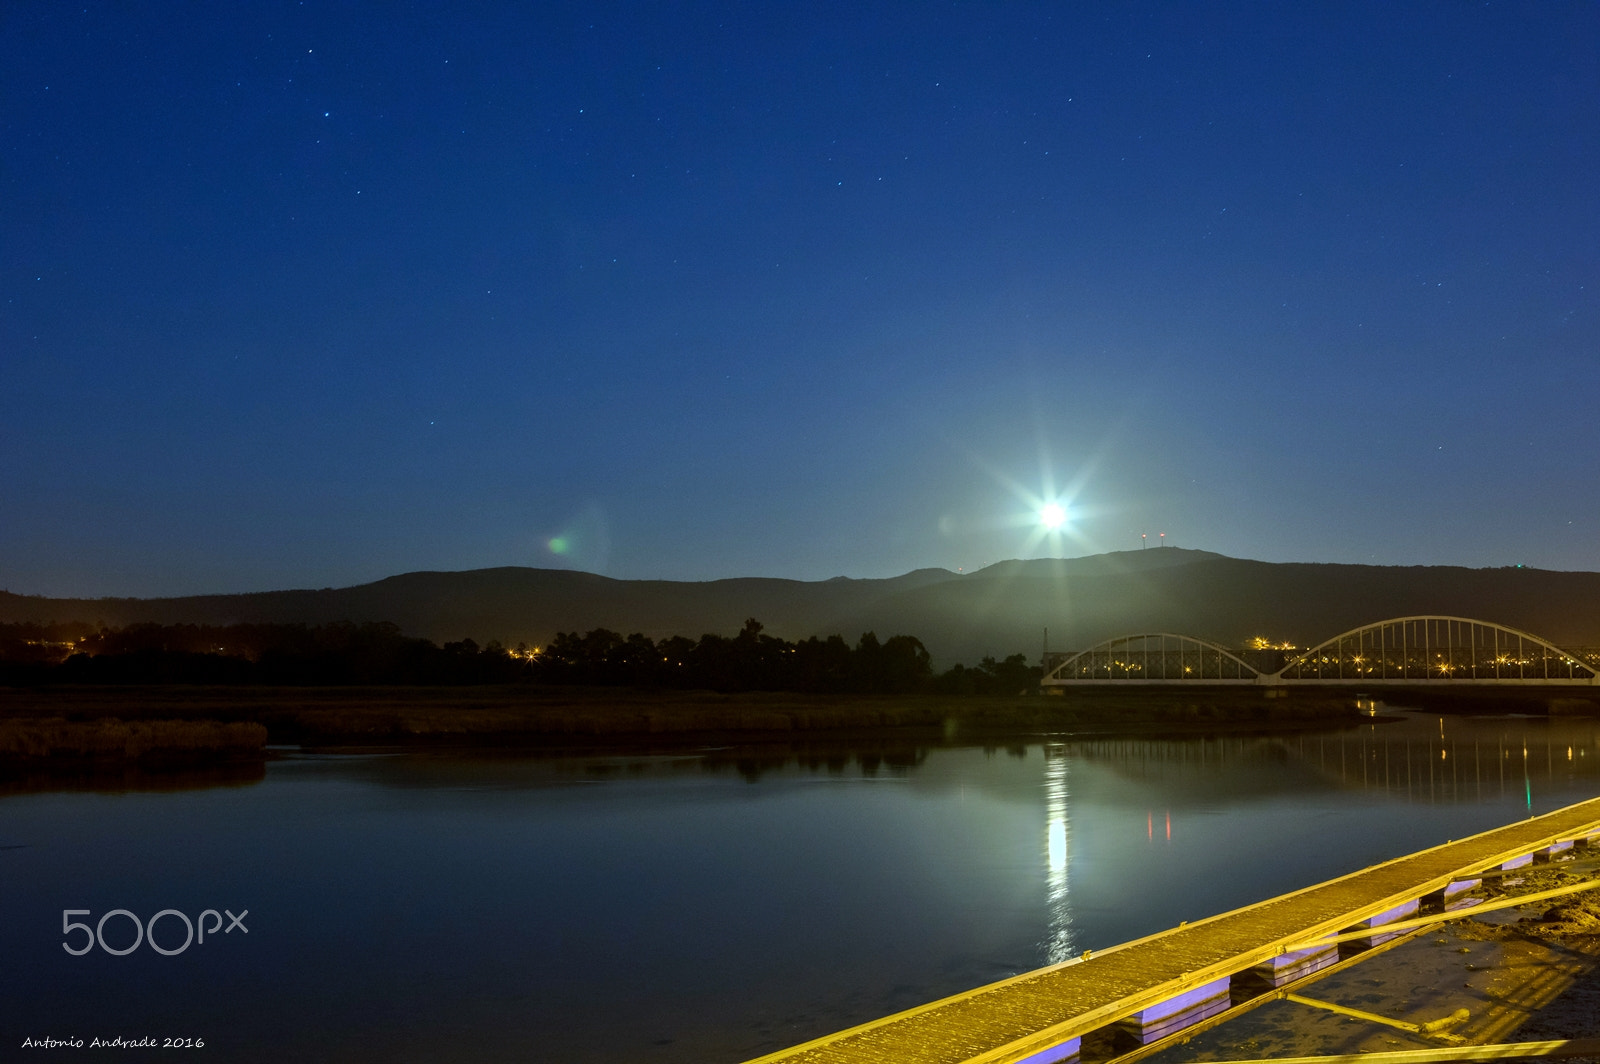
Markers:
{"x": 308, "y": 294}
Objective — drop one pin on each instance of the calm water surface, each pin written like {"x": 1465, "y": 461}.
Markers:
{"x": 698, "y": 906}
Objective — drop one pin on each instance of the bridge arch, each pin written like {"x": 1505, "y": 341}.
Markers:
{"x": 1152, "y": 658}
{"x": 1434, "y": 649}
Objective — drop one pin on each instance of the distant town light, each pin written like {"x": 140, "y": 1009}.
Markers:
{"x": 1261, "y": 642}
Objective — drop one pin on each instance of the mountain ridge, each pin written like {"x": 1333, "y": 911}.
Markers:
{"x": 999, "y": 610}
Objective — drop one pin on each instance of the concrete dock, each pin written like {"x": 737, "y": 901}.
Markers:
{"x": 1156, "y": 985}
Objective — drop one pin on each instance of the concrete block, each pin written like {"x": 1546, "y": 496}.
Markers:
{"x": 1281, "y": 970}
{"x": 1399, "y": 912}
{"x": 1175, "y": 1013}
{"x": 1450, "y": 897}
{"x": 1555, "y": 851}
{"x": 1066, "y": 1051}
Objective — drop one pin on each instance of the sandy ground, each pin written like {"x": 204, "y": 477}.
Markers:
{"x": 1524, "y": 974}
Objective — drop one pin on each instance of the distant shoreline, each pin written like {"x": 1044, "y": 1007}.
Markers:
{"x": 197, "y": 718}
{"x": 111, "y": 723}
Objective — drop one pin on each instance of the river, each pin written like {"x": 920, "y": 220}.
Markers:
{"x": 691, "y": 906}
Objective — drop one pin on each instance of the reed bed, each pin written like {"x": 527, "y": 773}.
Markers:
{"x": 109, "y": 738}
{"x": 454, "y": 713}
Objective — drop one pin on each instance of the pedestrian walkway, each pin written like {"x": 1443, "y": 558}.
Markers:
{"x": 1170, "y": 978}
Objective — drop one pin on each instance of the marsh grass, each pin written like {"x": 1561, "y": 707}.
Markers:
{"x": 57, "y": 738}
{"x": 181, "y": 717}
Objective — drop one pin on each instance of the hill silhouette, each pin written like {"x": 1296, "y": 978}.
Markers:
{"x": 996, "y": 611}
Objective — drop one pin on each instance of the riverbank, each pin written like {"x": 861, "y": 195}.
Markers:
{"x": 565, "y": 714}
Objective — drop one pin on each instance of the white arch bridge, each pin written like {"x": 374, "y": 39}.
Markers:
{"x": 1399, "y": 651}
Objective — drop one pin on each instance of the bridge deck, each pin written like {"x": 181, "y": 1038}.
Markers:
{"x": 1014, "y": 1020}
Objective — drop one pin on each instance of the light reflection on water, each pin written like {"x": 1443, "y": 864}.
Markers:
{"x": 1058, "y": 943}
{"x": 701, "y": 905}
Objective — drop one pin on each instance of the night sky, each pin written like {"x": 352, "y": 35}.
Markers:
{"x": 308, "y": 294}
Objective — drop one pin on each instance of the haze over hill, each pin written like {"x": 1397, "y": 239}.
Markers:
{"x": 1000, "y": 610}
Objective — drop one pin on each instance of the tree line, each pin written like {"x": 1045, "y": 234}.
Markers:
{"x": 380, "y": 653}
